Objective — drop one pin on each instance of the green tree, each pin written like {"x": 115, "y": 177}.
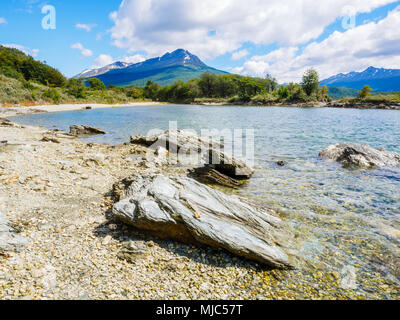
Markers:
{"x": 270, "y": 83}
{"x": 96, "y": 84}
{"x": 53, "y": 95}
{"x": 151, "y": 90}
{"x": 310, "y": 82}
{"x": 16, "y": 64}
{"x": 207, "y": 84}
{"x": 283, "y": 92}
{"x": 76, "y": 88}
{"x": 365, "y": 92}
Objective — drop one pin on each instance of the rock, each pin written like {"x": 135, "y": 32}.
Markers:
{"x": 132, "y": 251}
{"x": 84, "y": 131}
{"x": 360, "y": 156}
{"x": 50, "y": 139}
{"x": 9, "y": 239}
{"x": 142, "y": 140}
{"x": 280, "y": 163}
{"x": 229, "y": 166}
{"x": 204, "y": 152}
{"x": 211, "y": 176}
{"x": 7, "y": 123}
{"x": 185, "y": 210}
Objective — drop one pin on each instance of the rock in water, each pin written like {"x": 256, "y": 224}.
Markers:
{"x": 84, "y": 131}
{"x": 185, "y": 210}
{"x": 206, "y": 152}
{"x": 360, "y": 156}
{"x": 9, "y": 239}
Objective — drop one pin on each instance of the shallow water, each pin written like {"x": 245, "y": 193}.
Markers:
{"x": 347, "y": 221}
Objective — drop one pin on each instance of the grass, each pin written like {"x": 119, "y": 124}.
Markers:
{"x": 376, "y": 98}
{"x": 15, "y": 92}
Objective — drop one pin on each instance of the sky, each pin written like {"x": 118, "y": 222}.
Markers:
{"x": 252, "y": 37}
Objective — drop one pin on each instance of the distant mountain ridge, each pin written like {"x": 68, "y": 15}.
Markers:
{"x": 379, "y": 79}
{"x": 165, "y": 70}
{"x": 105, "y": 69}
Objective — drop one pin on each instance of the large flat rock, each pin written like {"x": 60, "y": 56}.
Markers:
{"x": 185, "y": 210}
{"x": 352, "y": 155}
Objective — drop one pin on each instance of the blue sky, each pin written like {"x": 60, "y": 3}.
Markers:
{"x": 251, "y": 37}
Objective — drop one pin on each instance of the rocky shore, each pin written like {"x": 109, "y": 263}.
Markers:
{"x": 57, "y": 193}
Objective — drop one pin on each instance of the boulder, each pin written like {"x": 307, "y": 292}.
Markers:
{"x": 84, "y": 131}
{"x": 206, "y": 152}
{"x": 182, "y": 209}
{"x": 9, "y": 238}
{"x": 352, "y": 155}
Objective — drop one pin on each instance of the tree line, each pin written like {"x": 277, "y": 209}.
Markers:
{"x": 236, "y": 88}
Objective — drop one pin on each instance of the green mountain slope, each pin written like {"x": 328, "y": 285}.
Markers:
{"x": 163, "y": 77}
{"x": 165, "y": 70}
{"x": 16, "y": 64}
{"x": 341, "y": 92}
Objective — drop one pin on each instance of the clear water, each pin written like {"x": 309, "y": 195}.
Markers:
{"x": 344, "y": 219}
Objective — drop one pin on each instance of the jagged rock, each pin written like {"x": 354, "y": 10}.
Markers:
{"x": 229, "y": 166}
{"x": 9, "y": 239}
{"x": 211, "y": 176}
{"x": 207, "y": 152}
{"x": 360, "y": 156}
{"x": 185, "y": 210}
{"x": 50, "y": 139}
{"x": 84, "y": 130}
{"x": 7, "y": 123}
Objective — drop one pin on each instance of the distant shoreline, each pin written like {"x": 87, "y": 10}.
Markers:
{"x": 23, "y": 110}
{"x": 334, "y": 104}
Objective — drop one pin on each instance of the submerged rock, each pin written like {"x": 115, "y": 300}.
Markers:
{"x": 360, "y": 156}
{"x": 185, "y": 210}
{"x": 84, "y": 130}
{"x": 200, "y": 151}
{"x": 9, "y": 239}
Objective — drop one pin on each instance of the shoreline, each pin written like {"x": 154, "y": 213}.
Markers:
{"x": 6, "y": 112}
{"x": 335, "y": 104}
{"x": 24, "y": 110}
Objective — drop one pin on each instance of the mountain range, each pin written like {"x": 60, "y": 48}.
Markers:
{"x": 165, "y": 70}
{"x": 379, "y": 79}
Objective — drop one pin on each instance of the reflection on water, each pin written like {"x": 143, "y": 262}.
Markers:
{"x": 347, "y": 221}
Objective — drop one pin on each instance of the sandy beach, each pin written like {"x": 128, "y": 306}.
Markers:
{"x": 17, "y": 111}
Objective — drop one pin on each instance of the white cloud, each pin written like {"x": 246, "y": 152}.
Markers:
{"x": 26, "y": 50}
{"x": 240, "y": 54}
{"x": 85, "y": 52}
{"x": 133, "y": 59}
{"x": 3, "y": 21}
{"x": 86, "y": 27}
{"x": 374, "y": 44}
{"x": 164, "y": 25}
{"x": 105, "y": 59}
{"x": 102, "y": 61}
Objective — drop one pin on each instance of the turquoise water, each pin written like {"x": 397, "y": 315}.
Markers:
{"x": 343, "y": 218}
